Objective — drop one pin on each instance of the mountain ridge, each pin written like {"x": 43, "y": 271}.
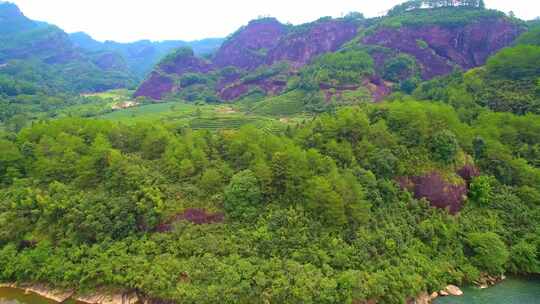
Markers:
{"x": 257, "y": 44}
{"x": 52, "y": 53}
{"x": 142, "y": 55}
{"x": 434, "y": 41}
{"x": 42, "y": 53}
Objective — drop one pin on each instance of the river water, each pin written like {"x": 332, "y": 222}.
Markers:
{"x": 511, "y": 291}
{"x": 17, "y": 296}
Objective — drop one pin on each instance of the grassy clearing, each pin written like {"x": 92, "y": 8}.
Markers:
{"x": 115, "y": 95}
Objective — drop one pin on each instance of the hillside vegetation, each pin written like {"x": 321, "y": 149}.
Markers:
{"x": 272, "y": 176}
{"x": 206, "y": 217}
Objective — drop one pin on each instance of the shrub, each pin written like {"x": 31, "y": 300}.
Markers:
{"x": 515, "y": 63}
{"x": 445, "y": 146}
{"x": 337, "y": 69}
{"x": 488, "y": 252}
{"x": 399, "y": 68}
{"x": 421, "y": 44}
{"x": 481, "y": 189}
{"x": 243, "y": 195}
{"x": 523, "y": 258}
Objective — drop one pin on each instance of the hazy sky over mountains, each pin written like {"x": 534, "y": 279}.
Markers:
{"x": 129, "y": 20}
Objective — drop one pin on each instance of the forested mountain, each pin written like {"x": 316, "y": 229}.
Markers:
{"x": 266, "y": 173}
{"x": 374, "y": 56}
{"x": 141, "y": 56}
{"x": 43, "y": 54}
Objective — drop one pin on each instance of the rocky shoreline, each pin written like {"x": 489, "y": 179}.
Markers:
{"x": 131, "y": 297}
{"x": 485, "y": 281}
{"x": 61, "y": 296}
{"x": 426, "y": 298}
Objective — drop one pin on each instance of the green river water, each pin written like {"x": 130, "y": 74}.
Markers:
{"x": 17, "y": 296}
{"x": 511, "y": 291}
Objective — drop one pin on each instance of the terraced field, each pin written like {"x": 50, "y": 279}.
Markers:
{"x": 283, "y": 105}
{"x": 197, "y": 117}
{"x": 153, "y": 111}
{"x": 234, "y": 122}
{"x": 272, "y": 115}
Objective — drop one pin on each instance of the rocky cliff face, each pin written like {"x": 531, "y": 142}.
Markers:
{"x": 261, "y": 42}
{"x": 156, "y": 86}
{"x": 248, "y": 47}
{"x": 440, "y": 49}
{"x": 302, "y": 45}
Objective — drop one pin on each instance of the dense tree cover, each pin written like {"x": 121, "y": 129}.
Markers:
{"x": 23, "y": 102}
{"x": 73, "y": 77}
{"x": 425, "y": 4}
{"x": 141, "y": 56}
{"x": 337, "y": 69}
{"x": 403, "y": 70}
{"x": 517, "y": 63}
{"x": 43, "y": 54}
{"x": 443, "y": 15}
{"x": 313, "y": 216}
{"x": 530, "y": 37}
{"x": 337, "y": 209}
{"x": 509, "y": 82}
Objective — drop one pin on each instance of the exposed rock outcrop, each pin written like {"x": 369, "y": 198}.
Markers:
{"x": 56, "y": 295}
{"x": 300, "y": 46}
{"x": 156, "y": 86}
{"x": 248, "y": 47}
{"x": 439, "y": 49}
{"x": 377, "y": 87}
{"x": 435, "y": 189}
{"x": 109, "y": 298}
{"x": 453, "y": 290}
{"x": 236, "y": 90}
{"x": 261, "y": 42}
{"x": 193, "y": 215}
{"x": 487, "y": 280}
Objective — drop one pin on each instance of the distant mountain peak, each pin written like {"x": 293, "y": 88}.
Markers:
{"x": 12, "y": 19}
{"x": 8, "y": 9}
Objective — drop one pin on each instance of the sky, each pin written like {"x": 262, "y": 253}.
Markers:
{"x": 130, "y": 20}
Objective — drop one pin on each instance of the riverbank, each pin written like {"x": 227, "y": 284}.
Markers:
{"x": 61, "y": 296}
{"x": 513, "y": 290}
